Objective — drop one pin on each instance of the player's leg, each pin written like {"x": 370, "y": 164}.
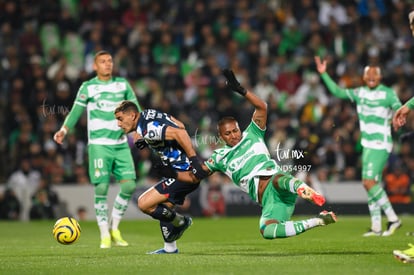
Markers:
{"x": 99, "y": 173}
{"x": 373, "y": 165}
{"x": 154, "y": 204}
{"x": 158, "y": 202}
{"x": 124, "y": 171}
{"x": 277, "y": 209}
{"x": 289, "y": 183}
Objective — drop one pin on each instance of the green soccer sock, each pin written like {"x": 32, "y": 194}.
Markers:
{"x": 289, "y": 228}
{"x": 289, "y": 183}
{"x": 378, "y": 195}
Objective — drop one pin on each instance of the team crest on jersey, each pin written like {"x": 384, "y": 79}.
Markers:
{"x": 97, "y": 173}
{"x": 211, "y": 161}
{"x": 82, "y": 96}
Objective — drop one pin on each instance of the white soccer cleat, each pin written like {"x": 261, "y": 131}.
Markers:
{"x": 391, "y": 228}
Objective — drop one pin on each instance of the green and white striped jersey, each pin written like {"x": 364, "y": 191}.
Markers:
{"x": 374, "y": 107}
{"x": 100, "y": 98}
{"x": 244, "y": 162}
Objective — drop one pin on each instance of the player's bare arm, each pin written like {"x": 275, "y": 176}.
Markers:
{"x": 178, "y": 122}
{"x": 260, "y": 112}
{"x": 188, "y": 176}
{"x": 183, "y": 139}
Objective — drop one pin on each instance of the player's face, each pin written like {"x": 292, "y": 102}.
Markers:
{"x": 126, "y": 121}
{"x": 230, "y": 133}
{"x": 372, "y": 76}
{"x": 103, "y": 66}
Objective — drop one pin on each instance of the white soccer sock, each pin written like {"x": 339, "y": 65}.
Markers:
{"x": 170, "y": 247}
{"x": 104, "y": 229}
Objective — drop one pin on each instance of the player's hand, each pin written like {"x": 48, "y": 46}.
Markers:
{"x": 232, "y": 82}
{"x": 400, "y": 117}
{"x": 165, "y": 170}
{"x": 141, "y": 143}
{"x": 320, "y": 64}
{"x": 198, "y": 171}
{"x": 59, "y": 136}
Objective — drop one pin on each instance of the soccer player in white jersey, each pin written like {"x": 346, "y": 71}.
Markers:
{"x": 246, "y": 160}
{"x": 375, "y": 103}
{"x": 399, "y": 120}
{"x": 108, "y": 149}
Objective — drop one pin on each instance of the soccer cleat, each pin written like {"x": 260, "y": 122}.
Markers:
{"x": 178, "y": 231}
{"x": 372, "y": 233}
{"x": 405, "y": 256}
{"x": 117, "y": 238}
{"x": 311, "y": 195}
{"x": 106, "y": 242}
{"x": 162, "y": 251}
{"x": 327, "y": 217}
{"x": 391, "y": 228}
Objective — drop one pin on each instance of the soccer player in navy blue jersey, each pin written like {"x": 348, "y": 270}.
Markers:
{"x": 168, "y": 138}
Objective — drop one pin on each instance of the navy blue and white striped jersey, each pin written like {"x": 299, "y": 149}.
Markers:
{"x": 152, "y": 125}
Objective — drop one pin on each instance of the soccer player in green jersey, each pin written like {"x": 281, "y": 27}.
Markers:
{"x": 108, "y": 149}
{"x": 375, "y": 103}
{"x": 246, "y": 160}
{"x": 399, "y": 120}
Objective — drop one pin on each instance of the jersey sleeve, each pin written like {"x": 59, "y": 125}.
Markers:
{"x": 78, "y": 107}
{"x": 336, "y": 90}
{"x": 395, "y": 101}
{"x": 410, "y": 103}
{"x": 212, "y": 163}
{"x": 254, "y": 128}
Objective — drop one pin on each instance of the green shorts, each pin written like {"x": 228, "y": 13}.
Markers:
{"x": 105, "y": 160}
{"x": 277, "y": 204}
{"x": 373, "y": 162}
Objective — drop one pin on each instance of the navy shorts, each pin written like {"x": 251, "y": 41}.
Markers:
{"x": 174, "y": 190}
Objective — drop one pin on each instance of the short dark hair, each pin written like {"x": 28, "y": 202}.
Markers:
{"x": 126, "y": 106}
{"x": 225, "y": 120}
{"x": 99, "y": 53}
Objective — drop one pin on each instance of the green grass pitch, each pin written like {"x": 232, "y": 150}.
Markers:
{"x": 209, "y": 246}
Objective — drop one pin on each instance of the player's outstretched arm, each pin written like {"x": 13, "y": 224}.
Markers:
{"x": 184, "y": 140}
{"x": 320, "y": 65}
{"x": 260, "y": 113}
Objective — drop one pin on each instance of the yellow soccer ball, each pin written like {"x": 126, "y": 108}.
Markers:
{"x": 66, "y": 230}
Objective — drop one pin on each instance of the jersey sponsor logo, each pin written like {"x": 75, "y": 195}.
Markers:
{"x": 104, "y": 104}
{"x": 150, "y": 114}
{"x": 238, "y": 163}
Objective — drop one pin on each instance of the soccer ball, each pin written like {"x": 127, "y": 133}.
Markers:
{"x": 66, "y": 230}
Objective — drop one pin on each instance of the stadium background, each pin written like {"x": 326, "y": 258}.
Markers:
{"x": 172, "y": 53}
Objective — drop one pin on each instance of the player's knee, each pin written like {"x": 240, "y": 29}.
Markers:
{"x": 143, "y": 206}
{"x": 268, "y": 229}
{"x": 101, "y": 189}
{"x": 128, "y": 187}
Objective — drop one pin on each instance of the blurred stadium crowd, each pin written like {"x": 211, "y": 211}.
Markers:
{"x": 173, "y": 52}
